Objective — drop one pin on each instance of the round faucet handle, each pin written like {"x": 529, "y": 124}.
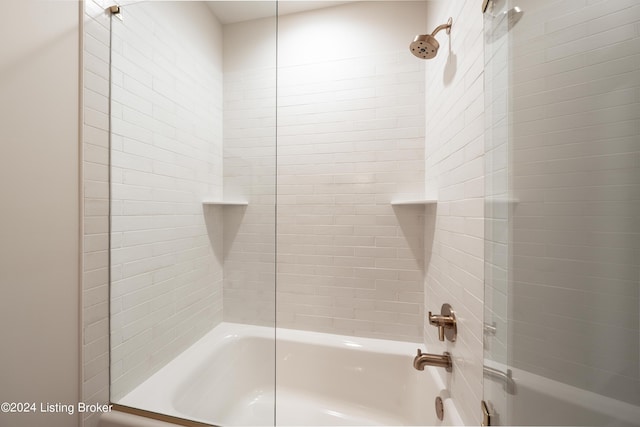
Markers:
{"x": 445, "y": 322}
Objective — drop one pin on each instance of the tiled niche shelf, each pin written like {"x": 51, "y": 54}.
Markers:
{"x": 416, "y": 202}
{"x": 225, "y": 203}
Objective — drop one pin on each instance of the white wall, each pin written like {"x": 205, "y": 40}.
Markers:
{"x": 350, "y": 140}
{"x": 166, "y": 145}
{"x": 350, "y": 137}
{"x": 454, "y": 230}
{"x": 250, "y": 171}
{"x": 39, "y": 189}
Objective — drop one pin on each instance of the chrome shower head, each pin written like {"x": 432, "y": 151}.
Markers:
{"x": 425, "y": 46}
{"x": 502, "y": 23}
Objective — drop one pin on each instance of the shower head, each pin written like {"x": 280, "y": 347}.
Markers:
{"x": 502, "y": 23}
{"x": 425, "y": 46}
{"x": 513, "y": 15}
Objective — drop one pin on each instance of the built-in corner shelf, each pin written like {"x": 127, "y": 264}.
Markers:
{"x": 225, "y": 203}
{"x": 414, "y": 202}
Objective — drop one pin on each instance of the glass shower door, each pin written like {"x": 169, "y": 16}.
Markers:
{"x": 192, "y": 202}
{"x": 562, "y": 215}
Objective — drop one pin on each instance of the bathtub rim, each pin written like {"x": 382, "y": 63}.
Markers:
{"x": 161, "y": 402}
{"x": 154, "y": 417}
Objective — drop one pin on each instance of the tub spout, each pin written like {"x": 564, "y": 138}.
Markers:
{"x": 423, "y": 359}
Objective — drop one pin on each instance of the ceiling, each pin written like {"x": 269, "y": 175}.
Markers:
{"x": 231, "y": 11}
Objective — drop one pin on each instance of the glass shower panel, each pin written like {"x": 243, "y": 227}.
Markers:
{"x": 193, "y": 146}
{"x": 498, "y": 209}
{"x": 351, "y": 136}
{"x": 350, "y": 142}
{"x": 563, "y": 200}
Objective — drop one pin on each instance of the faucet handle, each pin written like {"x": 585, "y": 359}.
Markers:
{"x": 438, "y": 321}
{"x": 445, "y": 322}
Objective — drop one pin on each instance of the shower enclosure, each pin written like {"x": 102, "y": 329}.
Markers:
{"x": 256, "y": 148}
{"x": 562, "y": 249}
{"x": 275, "y": 235}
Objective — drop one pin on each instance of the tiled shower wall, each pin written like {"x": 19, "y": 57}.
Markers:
{"x": 95, "y": 164}
{"x": 250, "y": 171}
{"x": 350, "y": 136}
{"x": 166, "y": 145}
{"x": 576, "y": 183}
{"x": 350, "y": 140}
{"x": 454, "y": 229}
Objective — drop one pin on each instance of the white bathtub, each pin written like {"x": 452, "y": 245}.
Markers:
{"x": 227, "y": 378}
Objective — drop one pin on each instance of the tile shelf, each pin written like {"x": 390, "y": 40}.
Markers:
{"x": 394, "y": 203}
{"x": 225, "y": 203}
{"x": 414, "y": 202}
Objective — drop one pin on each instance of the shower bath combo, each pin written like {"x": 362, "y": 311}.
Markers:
{"x": 226, "y": 377}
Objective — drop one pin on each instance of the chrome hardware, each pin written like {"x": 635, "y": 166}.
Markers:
{"x": 446, "y": 323}
{"x": 486, "y": 415}
{"x": 439, "y": 408}
{"x": 441, "y": 361}
{"x": 490, "y": 328}
{"x": 506, "y": 378}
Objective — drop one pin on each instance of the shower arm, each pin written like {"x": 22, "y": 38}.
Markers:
{"x": 446, "y": 26}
